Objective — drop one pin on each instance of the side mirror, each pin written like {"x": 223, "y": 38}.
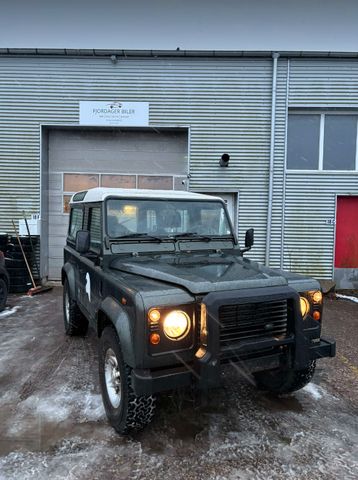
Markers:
{"x": 249, "y": 238}
{"x": 82, "y": 241}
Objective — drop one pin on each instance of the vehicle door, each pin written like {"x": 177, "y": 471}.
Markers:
{"x": 90, "y": 269}
{"x": 70, "y": 254}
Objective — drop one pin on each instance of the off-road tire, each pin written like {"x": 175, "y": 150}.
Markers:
{"x": 74, "y": 320}
{"x": 281, "y": 381}
{"x": 134, "y": 412}
{"x": 3, "y": 294}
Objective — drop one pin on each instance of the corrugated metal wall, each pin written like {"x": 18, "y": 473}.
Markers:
{"x": 225, "y": 102}
{"x": 311, "y": 198}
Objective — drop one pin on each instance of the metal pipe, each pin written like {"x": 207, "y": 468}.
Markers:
{"x": 283, "y": 206}
{"x": 275, "y": 57}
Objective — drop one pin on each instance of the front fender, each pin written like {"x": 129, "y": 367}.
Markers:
{"x": 123, "y": 325}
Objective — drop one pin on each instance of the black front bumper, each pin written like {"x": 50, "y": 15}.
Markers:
{"x": 206, "y": 372}
{"x": 325, "y": 348}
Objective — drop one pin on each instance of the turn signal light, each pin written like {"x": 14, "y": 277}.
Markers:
{"x": 154, "y": 338}
{"x": 316, "y": 315}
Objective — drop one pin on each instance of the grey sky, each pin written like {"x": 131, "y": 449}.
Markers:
{"x": 328, "y": 25}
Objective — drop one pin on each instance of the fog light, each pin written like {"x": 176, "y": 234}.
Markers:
{"x": 176, "y": 325}
{"x": 305, "y": 306}
{"x": 316, "y": 315}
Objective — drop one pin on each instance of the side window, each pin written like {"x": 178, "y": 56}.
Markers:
{"x": 303, "y": 142}
{"x": 322, "y": 142}
{"x": 76, "y": 222}
{"x": 340, "y": 135}
{"x": 95, "y": 225}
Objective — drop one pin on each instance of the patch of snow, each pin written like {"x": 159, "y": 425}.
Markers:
{"x": 93, "y": 409}
{"x": 9, "y": 311}
{"x": 67, "y": 403}
{"x": 347, "y": 297}
{"x": 74, "y": 459}
{"x": 315, "y": 391}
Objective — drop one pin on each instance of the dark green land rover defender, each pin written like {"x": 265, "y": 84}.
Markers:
{"x": 161, "y": 278}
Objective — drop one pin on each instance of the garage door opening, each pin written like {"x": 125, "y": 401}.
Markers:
{"x": 80, "y": 158}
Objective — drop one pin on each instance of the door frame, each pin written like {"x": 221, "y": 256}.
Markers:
{"x": 335, "y": 227}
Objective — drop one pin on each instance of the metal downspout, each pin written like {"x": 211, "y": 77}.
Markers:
{"x": 283, "y": 218}
{"x": 275, "y": 57}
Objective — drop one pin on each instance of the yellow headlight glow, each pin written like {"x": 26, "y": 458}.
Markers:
{"x": 305, "y": 306}
{"x": 176, "y": 325}
{"x": 154, "y": 315}
{"x": 317, "y": 296}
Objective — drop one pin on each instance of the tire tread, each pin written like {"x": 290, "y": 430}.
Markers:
{"x": 139, "y": 409}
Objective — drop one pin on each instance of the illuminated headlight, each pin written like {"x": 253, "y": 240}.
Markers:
{"x": 316, "y": 296}
{"x": 176, "y": 325}
{"x": 305, "y": 306}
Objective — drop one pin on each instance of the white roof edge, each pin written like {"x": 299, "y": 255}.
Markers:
{"x": 100, "y": 193}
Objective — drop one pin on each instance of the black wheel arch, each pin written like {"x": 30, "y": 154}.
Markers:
{"x": 68, "y": 273}
{"x": 111, "y": 313}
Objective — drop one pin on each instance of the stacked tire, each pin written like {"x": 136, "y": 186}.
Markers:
{"x": 20, "y": 281}
{"x": 3, "y": 242}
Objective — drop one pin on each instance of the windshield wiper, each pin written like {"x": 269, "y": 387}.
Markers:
{"x": 139, "y": 235}
{"x": 195, "y": 235}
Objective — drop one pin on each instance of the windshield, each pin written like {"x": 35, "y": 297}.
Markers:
{"x": 168, "y": 218}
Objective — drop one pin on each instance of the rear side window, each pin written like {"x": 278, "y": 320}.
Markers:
{"x": 95, "y": 227}
{"x": 76, "y": 222}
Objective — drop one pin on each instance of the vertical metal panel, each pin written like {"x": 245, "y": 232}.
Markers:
{"x": 323, "y": 83}
{"x": 226, "y": 103}
{"x": 311, "y": 196}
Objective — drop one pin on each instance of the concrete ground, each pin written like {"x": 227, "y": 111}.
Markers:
{"x": 52, "y": 423}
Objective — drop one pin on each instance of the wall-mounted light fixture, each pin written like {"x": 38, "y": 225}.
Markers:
{"x": 224, "y": 160}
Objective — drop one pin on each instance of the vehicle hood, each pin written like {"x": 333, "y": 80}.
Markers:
{"x": 202, "y": 273}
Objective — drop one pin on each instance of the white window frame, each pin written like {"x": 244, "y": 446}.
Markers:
{"x": 321, "y": 142}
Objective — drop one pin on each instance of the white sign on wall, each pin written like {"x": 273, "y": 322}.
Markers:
{"x": 129, "y": 114}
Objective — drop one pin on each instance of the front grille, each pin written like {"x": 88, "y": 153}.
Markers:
{"x": 252, "y": 320}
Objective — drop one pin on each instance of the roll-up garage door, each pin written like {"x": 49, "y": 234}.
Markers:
{"x": 79, "y": 159}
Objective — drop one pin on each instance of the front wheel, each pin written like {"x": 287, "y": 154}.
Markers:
{"x": 125, "y": 410}
{"x": 282, "y": 381}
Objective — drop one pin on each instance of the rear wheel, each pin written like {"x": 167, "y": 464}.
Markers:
{"x": 3, "y": 294}
{"x": 75, "y": 322}
{"x": 282, "y": 381}
{"x": 125, "y": 410}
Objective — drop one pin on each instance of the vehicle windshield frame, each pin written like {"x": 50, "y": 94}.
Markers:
{"x": 230, "y": 236}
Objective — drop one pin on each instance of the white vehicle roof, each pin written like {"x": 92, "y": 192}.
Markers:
{"x": 99, "y": 194}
